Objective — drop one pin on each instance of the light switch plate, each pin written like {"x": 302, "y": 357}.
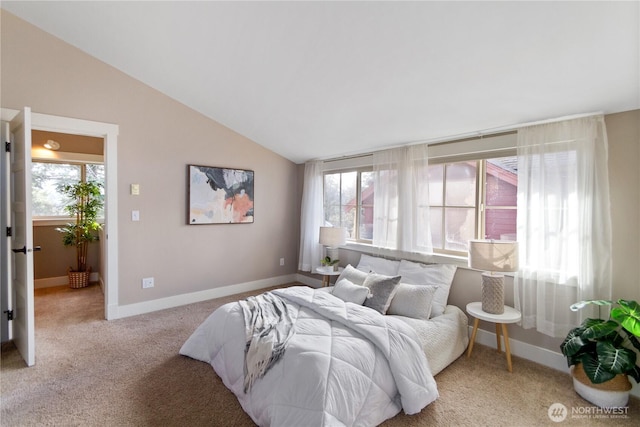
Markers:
{"x": 135, "y": 189}
{"x": 135, "y": 215}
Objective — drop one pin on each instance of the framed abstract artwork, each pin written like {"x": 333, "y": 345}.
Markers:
{"x": 220, "y": 195}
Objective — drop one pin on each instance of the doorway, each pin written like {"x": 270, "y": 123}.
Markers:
{"x": 59, "y": 159}
{"x": 109, "y": 133}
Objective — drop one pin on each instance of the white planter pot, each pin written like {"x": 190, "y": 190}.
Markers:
{"x": 605, "y": 395}
{"x": 601, "y": 398}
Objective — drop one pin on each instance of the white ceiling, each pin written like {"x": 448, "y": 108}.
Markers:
{"x": 324, "y": 79}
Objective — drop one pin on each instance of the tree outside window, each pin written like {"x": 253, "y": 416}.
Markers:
{"x": 46, "y": 178}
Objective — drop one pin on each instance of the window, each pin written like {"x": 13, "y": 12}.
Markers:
{"x": 452, "y": 200}
{"x": 471, "y": 200}
{"x": 348, "y": 202}
{"x": 500, "y": 198}
{"x": 46, "y": 177}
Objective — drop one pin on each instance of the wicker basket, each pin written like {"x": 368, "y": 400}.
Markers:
{"x": 610, "y": 394}
{"x": 618, "y": 383}
{"x": 79, "y": 279}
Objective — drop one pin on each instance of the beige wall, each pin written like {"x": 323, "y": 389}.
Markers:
{"x": 55, "y": 259}
{"x": 158, "y": 138}
{"x": 623, "y": 130}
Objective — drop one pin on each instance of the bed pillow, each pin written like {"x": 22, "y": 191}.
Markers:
{"x": 350, "y": 292}
{"x": 351, "y": 274}
{"x": 412, "y": 301}
{"x": 381, "y": 291}
{"x": 440, "y": 275}
{"x": 372, "y": 264}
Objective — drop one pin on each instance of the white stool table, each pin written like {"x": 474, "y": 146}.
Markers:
{"x": 326, "y": 274}
{"x": 510, "y": 315}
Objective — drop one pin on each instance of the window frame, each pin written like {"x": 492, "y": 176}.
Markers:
{"x": 444, "y": 206}
{"x": 480, "y": 196}
{"x": 479, "y": 207}
{"x": 474, "y": 146}
{"x": 49, "y": 220}
{"x": 356, "y": 226}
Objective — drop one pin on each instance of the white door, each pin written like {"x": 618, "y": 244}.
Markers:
{"x": 22, "y": 236}
{"x": 5, "y": 248}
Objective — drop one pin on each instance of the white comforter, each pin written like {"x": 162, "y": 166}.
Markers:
{"x": 345, "y": 365}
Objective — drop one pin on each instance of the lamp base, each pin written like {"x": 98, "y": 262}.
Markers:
{"x": 333, "y": 253}
{"x": 493, "y": 293}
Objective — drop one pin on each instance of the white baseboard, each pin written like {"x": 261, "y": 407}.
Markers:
{"x": 51, "y": 282}
{"x": 543, "y": 356}
{"x": 309, "y": 281}
{"x": 178, "y": 300}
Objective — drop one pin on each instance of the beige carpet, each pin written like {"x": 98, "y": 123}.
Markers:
{"x": 127, "y": 372}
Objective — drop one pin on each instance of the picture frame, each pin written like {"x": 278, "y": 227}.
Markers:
{"x": 219, "y": 195}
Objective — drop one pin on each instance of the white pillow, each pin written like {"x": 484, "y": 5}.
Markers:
{"x": 350, "y": 292}
{"x": 413, "y": 301}
{"x": 440, "y": 275}
{"x": 351, "y": 274}
{"x": 371, "y": 264}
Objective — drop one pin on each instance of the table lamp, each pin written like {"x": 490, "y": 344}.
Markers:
{"x": 493, "y": 256}
{"x": 332, "y": 237}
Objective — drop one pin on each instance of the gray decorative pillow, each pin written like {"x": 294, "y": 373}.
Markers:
{"x": 351, "y": 274}
{"x": 350, "y": 292}
{"x": 412, "y": 301}
{"x": 381, "y": 291}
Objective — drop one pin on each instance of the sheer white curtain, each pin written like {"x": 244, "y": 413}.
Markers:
{"x": 401, "y": 199}
{"x": 564, "y": 225}
{"x": 312, "y": 216}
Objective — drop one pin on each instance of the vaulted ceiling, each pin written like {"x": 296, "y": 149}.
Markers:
{"x": 325, "y": 79}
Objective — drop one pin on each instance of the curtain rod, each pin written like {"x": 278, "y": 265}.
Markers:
{"x": 455, "y": 138}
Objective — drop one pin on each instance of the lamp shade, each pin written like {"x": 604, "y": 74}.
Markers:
{"x": 333, "y": 236}
{"x": 493, "y": 255}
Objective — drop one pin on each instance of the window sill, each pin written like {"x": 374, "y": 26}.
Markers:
{"x": 416, "y": 257}
{"x": 56, "y": 222}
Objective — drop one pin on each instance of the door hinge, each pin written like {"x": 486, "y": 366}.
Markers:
{"x": 7, "y": 147}
{"x": 8, "y": 231}
{"x": 9, "y": 314}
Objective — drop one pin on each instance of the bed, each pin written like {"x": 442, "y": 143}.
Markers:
{"x": 350, "y": 358}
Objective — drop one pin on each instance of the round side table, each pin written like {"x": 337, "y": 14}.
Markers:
{"x": 326, "y": 275}
{"x": 510, "y": 315}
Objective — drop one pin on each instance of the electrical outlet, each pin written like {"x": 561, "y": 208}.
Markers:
{"x": 147, "y": 282}
{"x": 281, "y": 262}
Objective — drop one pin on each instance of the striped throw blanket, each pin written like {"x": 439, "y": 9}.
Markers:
{"x": 268, "y": 328}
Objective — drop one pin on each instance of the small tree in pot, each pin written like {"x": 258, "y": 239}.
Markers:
{"x": 85, "y": 204}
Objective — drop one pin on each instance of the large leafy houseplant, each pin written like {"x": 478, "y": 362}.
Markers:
{"x": 606, "y": 347}
{"x": 85, "y": 203}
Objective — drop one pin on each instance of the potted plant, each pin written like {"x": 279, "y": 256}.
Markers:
{"x": 331, "y": 264}
{"x": 604, "y": 353}
{"x": 85, "y": 202}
